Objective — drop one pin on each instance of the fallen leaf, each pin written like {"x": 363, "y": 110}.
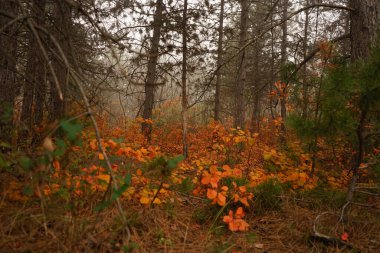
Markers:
{"x": 344, "y": 236}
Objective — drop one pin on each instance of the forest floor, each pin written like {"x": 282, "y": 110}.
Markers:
{"x": 188, "y": 209}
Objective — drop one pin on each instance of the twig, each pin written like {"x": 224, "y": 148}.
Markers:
{"x": 376, "y": 195}
{"x": 328, "y": 240}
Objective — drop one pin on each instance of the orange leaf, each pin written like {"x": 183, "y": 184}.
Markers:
{"x": 228, "y": 218}
{"x": 101, "y": 156}
{"x": 206, "y": 179}
{"x": 244, "y": 201}
{"x": 238, "y": 172}
{"x": 233, "y": 226}
{"x": 56, "y": 165}
{"x": 239, "y": 213}
{"x": 214, "y": 181}
{"x": 226, "y": 167}
{"x": 213, "y": 169}
{"x": 224, "y": 188}
{"x": 221, "y": 199}
{"x": 211, "y": 193}
{"x": 242, "y": 189}
{"x": 242, "y": 225}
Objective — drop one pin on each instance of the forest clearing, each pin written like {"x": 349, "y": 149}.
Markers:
{"x": 189, "y": 126}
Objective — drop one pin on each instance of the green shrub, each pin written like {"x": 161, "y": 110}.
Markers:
{"x": 267, "y": 196}
{"x": 323, "y": 196}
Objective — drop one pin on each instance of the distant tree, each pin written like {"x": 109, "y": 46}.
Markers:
{"x": 239, "y": 114}
{"x": 151, "y": 76}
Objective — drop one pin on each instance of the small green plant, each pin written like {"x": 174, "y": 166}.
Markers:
{"x": 324, "y": 197}
{"x": 130, "y": 247}
{"x": 269, "y": 166}
{"x": 186, "y": 186}
{"x": 200, "y": 216}
{"x": 267, "y": 196}
{"x": 220, "y": 248}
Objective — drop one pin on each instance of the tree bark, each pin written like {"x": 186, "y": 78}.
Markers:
{"x": 8, "y": 59}
{"x": 305, "y": 88}
{"x": 219, "y": 63}
{"x": 363, "y": 27}
{"x": 284, "y": 46}
{"x": 151, "y": 75}
{"x": 63, "y": 25}
{"x": 35, "y": 76}
{"x": 184, "y": 80}
{"x": 241, "y": 76}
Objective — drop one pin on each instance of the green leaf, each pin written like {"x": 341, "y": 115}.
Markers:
{"x": 103, "y": 205}
{"x": 26, "y": 163}
{"x": 5, "y": 145}
{"x": 123, "y": 188}
{"x": 173, "y": 162}
{"x": 4, "y": 164}
{"x": 130, "y": 247}
{"x": 71, "y": 129}
{"x": 61, "y": 148}
{"x": 28, "y": 190}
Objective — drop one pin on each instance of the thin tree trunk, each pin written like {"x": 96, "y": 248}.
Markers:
{"x": 272, "y": 67}
{"x": 151, "y": 73}
{"x": 256, "y": 89}
{"x": 35, "y": 77}
{"x": 240, "y": 80}
{"x": 219, "y": 63}
{"x": 63, "y": 21}
{"x": 184, "y": 80}
{"x": 284, "y": 45}
{"x": 305, "y": 91}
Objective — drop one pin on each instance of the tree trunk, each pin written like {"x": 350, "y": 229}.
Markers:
{"x": 256, "y": 81}
{"x": 305, "y": 88}
{"x": 363, "y": 27}
{"x": 35, "y": 77}
{"x": 151, "y": 73}
{"x": 184, "y": 80}
{"x": 8, "y": 85}
{"x": 284, "y": 46}
{"x": 240, "y": 80}
{"x": 219, "y": 63}
{"x": 63, "y": 21}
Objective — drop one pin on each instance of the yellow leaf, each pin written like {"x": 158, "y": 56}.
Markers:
{"x": 157, "y": 201}
{"x": 267, "y": 156}
{"x": 144, "y": 200}
{"x": 104, "y": 177}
